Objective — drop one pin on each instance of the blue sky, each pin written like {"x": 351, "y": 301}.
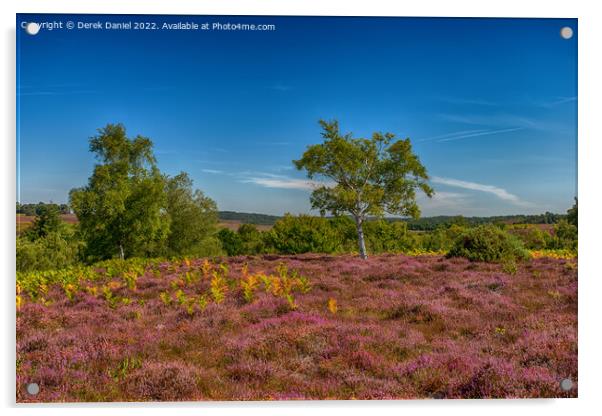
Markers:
{"x": 489, "y": 104}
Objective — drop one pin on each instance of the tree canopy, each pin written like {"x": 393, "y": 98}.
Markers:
{"x": 122, "y": 210}
{"x": 193, "y": 219}
{"x": 369, "y": 176}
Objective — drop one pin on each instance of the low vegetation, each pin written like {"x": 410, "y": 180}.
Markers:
{"x": 298, "y": 327}
{"x": 488, "y": 243}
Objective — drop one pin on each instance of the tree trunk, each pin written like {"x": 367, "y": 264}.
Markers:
{"x": 360, "y": 238}
{"x": 121, "y": 255}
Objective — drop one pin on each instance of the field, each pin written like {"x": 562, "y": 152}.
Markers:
{"x": 25, "y": 221}
{"x": 300, "y": 327}
{"x": 234, "y": 224}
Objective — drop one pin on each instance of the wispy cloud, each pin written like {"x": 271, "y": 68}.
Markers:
{"x": 482, "y": 133}
{"x": 497, "y": 120}
{"x": 453, "y": 134}
{"x": 280, "y": 87}
{"x": 465, "y": 134}
{"x": 212, "y": 171}
{"x": 39, "y": 93}
{"x": 442, "y": 198}
{"x": 268, "y": 180}
{"x": 491, "y": 189}
{"x": 468, "y": 101}
{"x": 556, "y": 101}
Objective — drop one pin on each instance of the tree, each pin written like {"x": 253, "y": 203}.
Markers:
{"x": 193, "y": 219}
{"x": 371, "y": 176}
{"x": 251, "y": 238}
{"x": 572, "y": 216}
{"x": 122, "y": 210}
{"x": 230, "y": 241}
{"x": 47, "y": 221}
{"x": 303, "y": 234}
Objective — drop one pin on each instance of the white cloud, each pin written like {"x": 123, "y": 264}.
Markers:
{"x": 283, "y": 183}
{"x": 212, "y": 171}
{"x": 454, "y": 134}
{"x": 476, "y": 134}
{"x": 269, "y": 180}
{"x": 498, "y": 192}
{"x": 464, "y": 134}
{"x": 556, "y": 101}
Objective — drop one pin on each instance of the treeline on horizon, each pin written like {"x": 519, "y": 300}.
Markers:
{"x": 33, "y": 210}
{"x": 130, "y": 209}
{"x": 51, "y": 243}
{"x": 419, "y": 224}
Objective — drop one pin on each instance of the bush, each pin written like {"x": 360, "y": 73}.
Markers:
{"x": 442, "y": 238}
{"x": 251, "y": 239}
{"x": 565, "y": 236}
{"x": 54, "y": 251}
{"x": 488, "y": 243}
{"x": 304, "y": 234}
{"x": 532, "y": 236}
{"x": 230, "y": 241}
{"x": 388, "y": 237}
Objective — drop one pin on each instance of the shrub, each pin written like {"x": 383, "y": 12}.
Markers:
{"x": 388, "y": 237}
{"x": 230, "y": 241}
{"x": 488, "y": 243}
{"x": 54, "y": 251}
{"x": 442, "y": 238}
{"x": 565, "y": 236}
{"x": 193, "y": 220}
{"x": 533, "y": 237}
{"x": 304, "y": 234}
{"x": 251, "y": 239}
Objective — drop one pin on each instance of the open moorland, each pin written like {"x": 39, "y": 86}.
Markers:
{"x": 298, "y": 327}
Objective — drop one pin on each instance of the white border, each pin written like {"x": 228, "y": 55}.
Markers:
{"x": 590, "y": 137}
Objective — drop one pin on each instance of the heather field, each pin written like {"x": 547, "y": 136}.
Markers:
{"x": 298, "y": 327}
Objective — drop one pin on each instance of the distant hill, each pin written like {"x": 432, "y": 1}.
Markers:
{"x": 248, "y": 218}
{"x": 421, "y": 224}
{"x": 431, "y": 223}
{"x": 26, "y": 213}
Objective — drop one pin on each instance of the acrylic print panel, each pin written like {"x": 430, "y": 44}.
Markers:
{"x": 284, "y": 208}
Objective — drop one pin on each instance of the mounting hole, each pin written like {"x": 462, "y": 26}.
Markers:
{"x": 32, "y": 28}
{"x": 566, "y": 384}
{"x": 33, "y": 389}
{"x": 566, "y": 32}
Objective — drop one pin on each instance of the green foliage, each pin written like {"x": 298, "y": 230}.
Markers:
{"x": 35, "y": 209}
{"x": 441, "y": 239}
{"x": 532, "y": 236}
{"x": 47, "y": 221}
{"x": 122, "y": 210}
{"x": 432, "y": 223}
{"x": 251, "y": 238}
{"x": 488, "y": 243}
{"x": 565, "y": 236}
{"x": 388, "y": 237}
{"x": 56, "y": 250}
{"x": 248, "y": 218}
{"x": 124, "y": 367}
{"x": 193, "y": 220}
{"x": 230, "y": 241}
{"x": 371, "y": 176}
{"x": 509, "y": 267}
{"x": 572, "y": 216}
{"x": 303, "y": 234}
